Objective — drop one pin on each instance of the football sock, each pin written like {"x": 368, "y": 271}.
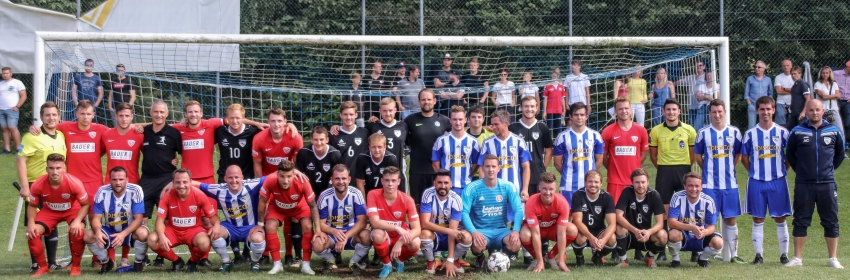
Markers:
{"x": 141, "y": 249}
{"x": 782, "y": 237}
{"x": 37, "y": 251}
{"x": 98, "y": 252}
{"x": 606, "y": 250}
{"x": 273, "y": 245}
{"x": 360, "y": 251}
{"x": 529, "y": 249}
{"x": 77, "y": 247}
{"x": 168, "y": 255}
{"x": 51, "y": 243}
{"x": 708, "y": 253}
{"x": 622, "y": 245}
{"x": 654, "y": 248}
{"x": 306, "y": 245}
{"x": 125, "y": 252}
{"x": 326, "y": 255}
{"x": 198, "y": 254}
{"x": 257, "y": 250}
{"x": 731, "y": 236}
{"x": 406, "y": 253}
{"x": 758, "y": 237}
{"x": 579, "y": 248}
{"x": 287, "y": 238}
{"x": 220, "y": 247}
{"x": 461, "y": 249}
{"x": 675, "y": 247}
{"x": 428, "y": 249}
{"x": 383, "y": 251}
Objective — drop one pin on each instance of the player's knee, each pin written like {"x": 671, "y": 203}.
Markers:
{"x": 778, "y": 219}
{"x": 572, "y": 230}
{"x": 414, "y": 244}
{"x": 674, "y": 235}
{"x": 272, "y": 225}
{"x": 730, "y": 222}
{"x": 141, "y": 234}
{"x": 524, "y": 234}
{"x": 365, "y": 237}
{"x": 580, "y": 239}
{"x": 153, "y": 241}
{"x": 88, "y": 237}
{"x": 306, "y": 225}
{"x": 716, "y": 242}
{"x": 611, "y": 241}
{"x": 758, "y": 220}
{"x": 202, "y": 241}
{"x": 660, "y": 237}
{"x": 426, "y": 234}
{"x": 378, "y": 236}
{"x": 257, "y": 237}
{"x": 621, "y": 231}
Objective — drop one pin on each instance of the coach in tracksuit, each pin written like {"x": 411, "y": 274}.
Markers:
{"x": 815, "y": 150}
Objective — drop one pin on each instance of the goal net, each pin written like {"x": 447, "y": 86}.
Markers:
{"x": 309, "y": 76}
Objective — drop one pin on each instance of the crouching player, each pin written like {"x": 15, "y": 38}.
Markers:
{"x": 342, "y": 216}
{"x": 395, "y": 223}
{"x": 636, "y": 208}
{"x": 64, "y": 199}
{"x": 238, "y": 199}
{"x": 117, "y": 220}
{"x": 592, "y": 209}
{"x": 692, "y": 218}
{"x": 183, "y": 208}
{"x": 547, "y": 217}
{"x": 441, "y": 211}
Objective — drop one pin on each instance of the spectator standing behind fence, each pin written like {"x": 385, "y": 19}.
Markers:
{"x": 401, "y": 75}
{"x": 621, "y": 89}
{"x": 782, "y": 84}
{"x": 442, "y": 78}
{"x": 377, "y": 84}
{"x": 13, "y": 93}
{"x": 504, "y": 94}
{"x": 88, "y": 85}
{"x": 479, "y": 87}
{"x": 815, "y": 150}
{"x": 842, "y": 78}
{"x": 826, "y": 90}
{"x": 554, "y": 102}
{"x": 705, "y": 93}
{"x": 578, "y": 86}
{"x": 661, "y": 91}
{"x": 693, "y": 82}
{"x": 637, "y": 97}
{"x": 452, "y": 95}
{"x": 758, "y": 85}
{"x": 355, "y": 95}
{"x": 408, "y": 92}
{"x": 801, "y": 92}
{"x": 528, "y": 88}
{"x": 122, "y": 92}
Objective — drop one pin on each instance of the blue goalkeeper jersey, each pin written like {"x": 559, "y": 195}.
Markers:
{"x": 239, "y": 209}
{"x": 488, "y": 208}
{"x": 118, "y": 211}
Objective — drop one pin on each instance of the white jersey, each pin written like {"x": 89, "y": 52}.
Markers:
{"x": 341, "y": 213}
{"x": 118, "y": 212}
{"x": 579, "y": 151}
{"x": 442, "y": 211}
{"x": 512, "y": 153}
{"x": 458, "y": 156}
{"x": 718, "y": 150}
{"x": 766, "y": 151}
{"x": 702, "y": 213}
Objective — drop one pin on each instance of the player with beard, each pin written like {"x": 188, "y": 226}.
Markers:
{"x": 395, "y": 223}
{"x": 636, "y": 208}
{"x": 692, "y": 221}
{"x": 349, "y": 139}
{"x": 442, "y": 210}
{"x": 547, "y": 218}
{"x": 316, "y": 160}
{"x": 64, "y": 200}
{"x": 371, "y": 166}
{"x": 117, "y": 220}
{"x": 396, "y": 133}
{"x": 538, "y": 140}
{"x": 592, "y": 208}
{"x": 424, "y": 129}
{"x": 342, "y": 214}
{"x": 457, "y": 152}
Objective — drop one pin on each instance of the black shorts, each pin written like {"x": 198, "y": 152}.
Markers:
{"x": 533, "y": 189}
{"x": 669, "y": 180}
{"x": 806, "y": 197}
{"x": 418, "y": 184}
{"x": 152, "y": 187}
{"x": 634, "y": 244}
{"x": 596, "y": 232}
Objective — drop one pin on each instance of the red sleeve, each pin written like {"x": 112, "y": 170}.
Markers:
{"x": 371, "y": 205}
{"x": 257, "y": 145}
{"x": 563, "y": 211}
{"x": 63, "y": 126}
{"x": 77, "y": 188}
{"x": 207, "y": 208}
{"x": 306, "y": 190}
{"x": 215, "y": 123}
{"x": 35, "y": 193}
{"x": 412, "y": 216}
{"x": 162, "y": 207}
{"x": 644, "y": 142}
{"x": 530, "y": 216}
{"x": 299, "y": 143}
{"x": 100, "y": 128}
{"x": 270, "y": 181}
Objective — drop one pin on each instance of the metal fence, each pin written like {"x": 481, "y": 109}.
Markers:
{"x": 760, "y": 30}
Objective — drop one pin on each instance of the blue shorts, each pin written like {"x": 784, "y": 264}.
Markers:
{"x": 9, "y": 118}
{"x": 727, "y": 201}
{"x": 442, "y": 242}
{"x": 237, "y": 233}
{"x": 495, "y": 237}
{"x": 128, "y": 241}
{"x": 458, "y": 191}
{"x": 693, "y": 244}
{"x": 764, "y": 195}
{"x": 349, "y": 244}
{"x": 568, "y": 195}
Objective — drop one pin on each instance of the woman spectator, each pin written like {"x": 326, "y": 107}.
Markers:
{"x": 621, "y": 90}
{"x": 705, "y": 93}
{"x": 661, "y": 91}
{"x": 637, "y": 96}
{"x": 554, "y": 102}
{"x": 827, "y": 91}
{"x": 504, "y": 96}
{"x": 528, "y": 88}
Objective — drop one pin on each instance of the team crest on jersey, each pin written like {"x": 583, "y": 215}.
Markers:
{"x": 286, "y": 150}
{"x": 634, "y": 139}
{"x": 513, "y": 150}
{"x": 381, "y": 170}
{"x": 776, "y": 140}
{"x": 553, "y": 215}
{"x": 193, "y": 208}
{"x": 66, "y": 196}
{"x": 131, "y": 142}
{"x": 645, "y": 208}
{"x": 201, "y": 132}
{"x": 437, "y": 123}
{"x": 597, "y": 209}
{"x": 348, "y": 208}
{"x": 245, "y": 198}
{"x": 467, "y": 150}
{"x": 701, "y": 213}
{"x": 681, "y": 144}
{"x": 633, "y": 206}
{"x": 92, "y": 134}
{"x": 729, "y": 139}
{"x": 357, "y": 141}
{"x": 535, "y": 135}
{"x": 397, "y": 214}
{"x": 589, "y": 144}
{"x": 446, "y": 212}
{"x": 294, "y": 197}
{"x": 397, "y": 133}
{"x": 827, "y": 140}
{"x": 498, "y": 198}
{"x": 243, "y": 142}
{"x": 326, "y": 167}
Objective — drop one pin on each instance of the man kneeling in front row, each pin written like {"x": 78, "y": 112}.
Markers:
{"x": 692, "y": 217}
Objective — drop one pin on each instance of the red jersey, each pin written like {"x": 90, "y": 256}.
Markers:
{"x": 185, "y": 214}
{"x": 289, "y": 201}
{"x": 199, "y": 146}
{"x": 84, "y": 150}
{"x": 400, "y": 213}
{"x": 124, "y": 151}
{"x": 554, "y": 95}
{"x": 66, "y": 198}
{"x": 538, "y": 214}
{"x": 272, "y": 153}
{"x": 624, "y": 149}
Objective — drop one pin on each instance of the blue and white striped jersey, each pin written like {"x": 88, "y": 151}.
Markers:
{"x": 118, "y": 211}
{"x": 718, "y": 150}
{"x": 341, "y": 213}
{"x": 512, "y": 153}
{"x": 239, "y": 209}
{"x": 701, "y": 213}
{"x": 458, "y": 156}
{"x": 579, "y": 151}
{"x": 441, "y": 211}
{"x": 766, "y": 150}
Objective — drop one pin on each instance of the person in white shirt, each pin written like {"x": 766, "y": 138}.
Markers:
{"x": 13, "y": 93}
{"x": 578, "y": 86}
{"x": 528, "y": 88}
{"x": 782, "y": 86}
{"x": 504, "y": 96}
{"x": 827, "y": 91}
{"x": 705, "y": 93}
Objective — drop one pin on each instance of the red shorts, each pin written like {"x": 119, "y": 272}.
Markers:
{"x": 92, "y": 187}
{"x": 615, "y": 190}
{"x": 50, "y": 218}
{"x": 549, "y": 233}
{"x": 183, "y": 237}
{"x": 300, "y": 213}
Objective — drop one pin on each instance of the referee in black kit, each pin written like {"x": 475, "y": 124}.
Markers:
{"x": 161, "y": 144}
{"x": 815, "y": 150}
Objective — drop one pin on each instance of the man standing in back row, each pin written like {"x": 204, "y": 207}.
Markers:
{"x": 161, "y": 145}
{"x": 538, "y": 140}
{"x": 626, "y": 144}
{"x": 424, "y": 129}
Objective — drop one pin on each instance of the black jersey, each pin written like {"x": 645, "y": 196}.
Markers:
{"x": 639, "y": 213}
{"x": 159, "y": 150}
{"x": 318, "y": 169}
{"x": 396, "y": 138}
{"x": 371, "y": 171}
{"x": 424, "y": 131}
{"x": 593, "y": 211}
{"x": 382, "y": 83}
{"x": 537, "y": 138}
{"x": 350, "y": 145}
{"x": 235, "y": 149}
